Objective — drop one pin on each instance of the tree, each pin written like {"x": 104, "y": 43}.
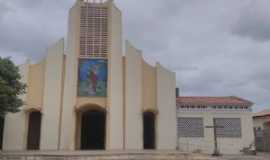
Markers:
{"x": 10, "y": 87}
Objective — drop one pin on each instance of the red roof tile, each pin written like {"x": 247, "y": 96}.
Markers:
{"x": 212, "y": 101}
{"x": 263, "y": 113}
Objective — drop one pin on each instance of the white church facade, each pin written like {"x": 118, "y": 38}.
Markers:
{"x": 94, "y": 96}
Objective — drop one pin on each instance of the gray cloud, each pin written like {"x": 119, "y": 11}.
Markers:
{"x": 3, "y": 10}
{"x": 28, "y": 27}
{"x": 254, "y": 21}
{"x": 216, "y": 48}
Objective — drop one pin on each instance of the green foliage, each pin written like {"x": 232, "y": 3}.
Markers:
{"x": 10, "y": 87}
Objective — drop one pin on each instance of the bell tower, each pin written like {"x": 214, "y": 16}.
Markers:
{"x": 94, "y": 70}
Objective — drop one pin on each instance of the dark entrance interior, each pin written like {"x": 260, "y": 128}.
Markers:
{"x": 34, "y": 124}
{"x": 149, "y": 135}
{"x": 2, "y": 121}
{"x": 93, "y": 129}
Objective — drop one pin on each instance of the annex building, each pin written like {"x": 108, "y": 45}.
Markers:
{"x": 197, "y": 117}
{"x": 91, "y": 94}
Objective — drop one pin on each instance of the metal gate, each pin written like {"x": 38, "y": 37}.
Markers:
{"x": 262, "y": 140}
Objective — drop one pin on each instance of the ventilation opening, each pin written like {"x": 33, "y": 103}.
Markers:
{"x": 34, "y": 125}
{"x": 2, "y": 122}
{"x": 149, "y": 134}
{"x": 93, "y": 126}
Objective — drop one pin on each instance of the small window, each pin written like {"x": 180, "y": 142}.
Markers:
{"x": 190, "y": 127}
{"x": 231, "y": 127}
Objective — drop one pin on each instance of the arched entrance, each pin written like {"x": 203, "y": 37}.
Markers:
{"x": 34, "y": 125}
{"x": 149, "y": 130}
{"x": 92, "y": 131}
{"x": 2, "y": 122}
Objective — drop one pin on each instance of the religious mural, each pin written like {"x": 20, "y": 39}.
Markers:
{"x": 93, "y": 75}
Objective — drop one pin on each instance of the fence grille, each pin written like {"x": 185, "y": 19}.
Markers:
{"x": 190, "y": 127}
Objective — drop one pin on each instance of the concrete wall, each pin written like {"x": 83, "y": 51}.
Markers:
{"x": 115, "y": 81}
{"x": 226, "y": 145}
{"x": 166, "y": 104}
{"x": 15, "y": 132}
{"x": 52, "y": 97}
{"x": 133, "y": 98}
{"x": 68, "y": 128}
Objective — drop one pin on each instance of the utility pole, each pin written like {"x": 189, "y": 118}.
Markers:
{"x": 215, "y": 127}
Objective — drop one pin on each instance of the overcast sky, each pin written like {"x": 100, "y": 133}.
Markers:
{"x": 216, "y": 48}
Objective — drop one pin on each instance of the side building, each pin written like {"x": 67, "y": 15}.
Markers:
{"x": 197, "y": 116}
{"x": 261, "y": 122}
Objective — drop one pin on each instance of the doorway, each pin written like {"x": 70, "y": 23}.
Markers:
{"x": 2, "y": 122}
{"x": 93, "y": 130}
{"x": 34, "y": 125}
{"x": 149, "y": 134}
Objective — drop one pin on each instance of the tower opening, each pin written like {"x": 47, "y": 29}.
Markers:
{"x": 93, "y": 130}
{"x": 34, "y": 125}
{"x": 149, "y": 134}
{"x": 2, "y": 122}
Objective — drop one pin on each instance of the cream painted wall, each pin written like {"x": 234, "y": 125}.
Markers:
{"x": 149, "y": 92}
{"x": 115, "y": 81}
{"x": 227, "y": 145}
{"x": 35, "y": 88}
{"x": 133, "y": 98}
{"x": 166, "y": 104}
{"x": 52, "y": 97}
{"x": 15, "y": 131}
{"x": 68, "y": 128}
{"x": 95, "y": 101}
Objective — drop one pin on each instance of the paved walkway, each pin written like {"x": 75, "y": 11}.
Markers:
{"x": 259, "y": 156}
{"x": 143, "y": 155}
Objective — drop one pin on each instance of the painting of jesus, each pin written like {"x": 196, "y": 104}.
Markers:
{"x": 92, "y": 78}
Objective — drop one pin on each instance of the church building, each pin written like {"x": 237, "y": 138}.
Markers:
{"x": 89, "y": 94}
{"x": 92, "y": 91}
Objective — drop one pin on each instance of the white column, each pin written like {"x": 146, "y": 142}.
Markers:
{"x": 115, "y": 81}
{"x": 52, "y": 101}
{"x": 133, "y": 91}
{"x": 166, "y": 104}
